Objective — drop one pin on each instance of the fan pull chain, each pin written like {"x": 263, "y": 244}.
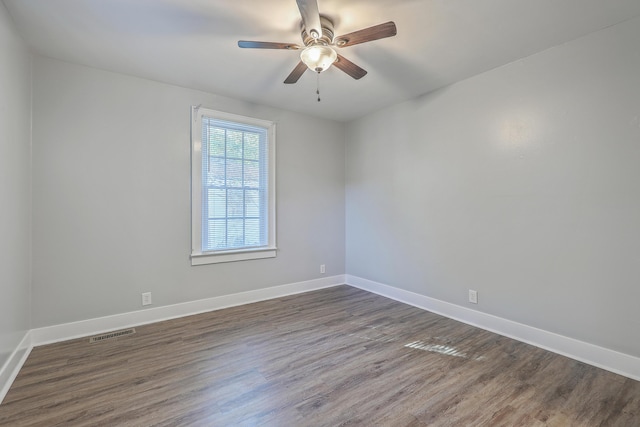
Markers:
{"x": 318, "y": 87}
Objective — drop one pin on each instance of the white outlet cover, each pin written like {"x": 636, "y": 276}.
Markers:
{"x": 146, "y": 298}
{"x": 473, "y": 296}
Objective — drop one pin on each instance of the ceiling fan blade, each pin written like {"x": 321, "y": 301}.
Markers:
{"x": 296, "y": 73}
{"x": 267, "y": 45}
{"x": 310, "y": 17}
{"x": 349, "y": 67}
{"x": 380, "y": 31}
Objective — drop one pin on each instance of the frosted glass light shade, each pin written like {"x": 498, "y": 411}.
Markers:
{"x": 318, "y": 57}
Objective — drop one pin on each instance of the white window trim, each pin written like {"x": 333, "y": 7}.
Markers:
{"x": 197, "y": 256}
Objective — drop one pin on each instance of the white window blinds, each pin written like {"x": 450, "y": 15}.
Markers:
{"x": 235, "y": 169}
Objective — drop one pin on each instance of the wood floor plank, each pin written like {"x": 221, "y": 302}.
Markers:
{"x": 339, "y": 356}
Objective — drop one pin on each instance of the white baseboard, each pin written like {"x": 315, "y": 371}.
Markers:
{"x": 600, "y": 357}
{"x": 610, "y": 360}
{"x": 84, "y": 328}
{"x": 9, "y": 371}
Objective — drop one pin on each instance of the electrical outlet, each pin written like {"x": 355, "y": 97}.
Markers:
{"x": 146, "y": 298}
{"x": 473, "y": 296}
{"x": 322, "y": 269}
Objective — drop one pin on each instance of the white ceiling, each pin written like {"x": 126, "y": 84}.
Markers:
{"x": 193, "y": 43}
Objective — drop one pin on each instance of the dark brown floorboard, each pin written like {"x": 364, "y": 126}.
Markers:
{"x": 339, "y": 356}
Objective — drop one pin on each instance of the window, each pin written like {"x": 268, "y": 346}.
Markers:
{"x": 232, "y": 187}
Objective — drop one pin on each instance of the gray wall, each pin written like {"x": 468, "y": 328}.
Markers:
{"x": 522, "y": 183}
{"x": 15, "y": 186}
{"x": 111, "y": 196}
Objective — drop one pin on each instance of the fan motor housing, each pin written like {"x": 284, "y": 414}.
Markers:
{"x": 327, "y": 33}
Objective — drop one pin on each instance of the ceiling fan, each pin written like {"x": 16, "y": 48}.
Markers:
{"x": 318, "y": 53}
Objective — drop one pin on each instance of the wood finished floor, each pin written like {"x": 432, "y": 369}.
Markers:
{"x": 339, "y": 356}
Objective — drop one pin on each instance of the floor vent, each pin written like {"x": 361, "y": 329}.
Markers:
{"x": 114, "y": 334}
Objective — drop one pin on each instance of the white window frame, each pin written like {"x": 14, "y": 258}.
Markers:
{"x": 198, "y": 257}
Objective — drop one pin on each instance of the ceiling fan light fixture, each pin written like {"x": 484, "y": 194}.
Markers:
{"x": 318, "y": 57}
{"x": 319, "y": 43}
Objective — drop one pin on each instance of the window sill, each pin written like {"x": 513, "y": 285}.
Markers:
{"x": 231, "y": 256}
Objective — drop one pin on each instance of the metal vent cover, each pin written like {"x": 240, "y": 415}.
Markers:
{"x": 110, "y": 335}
